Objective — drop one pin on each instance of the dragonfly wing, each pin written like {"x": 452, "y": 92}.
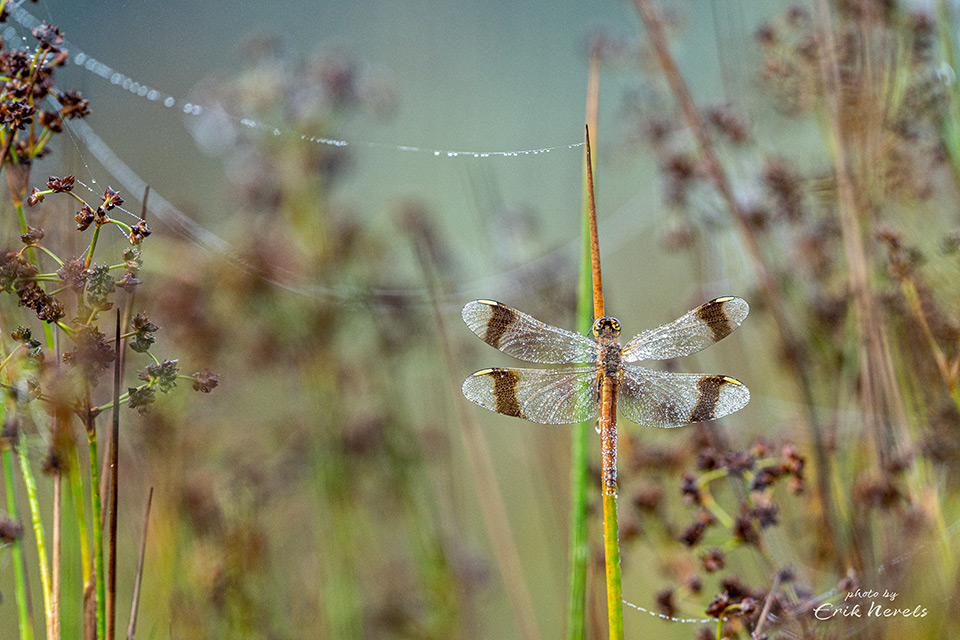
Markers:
{"x": 548, "y": 396}
{"x": 692, "y": 332}
{"x": 522, "y": 336}
{"x": 662, "y": 399}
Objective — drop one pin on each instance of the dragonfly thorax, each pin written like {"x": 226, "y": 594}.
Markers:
{"x": 606, "y": 326}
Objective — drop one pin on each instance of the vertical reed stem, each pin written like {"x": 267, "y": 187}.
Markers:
{"x": 110, "y": 609}
{"x": 55, "y": 551}
{"x": 608, "y": 435}
{"x": 31, "y": 486}
{"x": 580, "y": 434}
{"x": 98, "y": 565}
{"x": 135, "y": 605}
{"x": 793, "y": 356}
{"x": 16, "y": 555}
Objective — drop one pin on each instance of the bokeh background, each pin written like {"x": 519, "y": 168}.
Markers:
{"x": 331, "y": 486}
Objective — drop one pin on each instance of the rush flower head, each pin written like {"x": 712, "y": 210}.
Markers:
{"x": 111, "y": 199}
{"x": 60, "y": 185}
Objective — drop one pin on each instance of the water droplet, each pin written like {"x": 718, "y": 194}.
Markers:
{"x": 169, "y": 102}
{"x": 946, "y": 74}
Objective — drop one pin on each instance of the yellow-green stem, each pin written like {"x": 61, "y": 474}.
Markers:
{"x": 611, "y": 547}
{"x": 76, "y": 488}
{"x": 24, "y": 227}
{"x": 93, "y": 246}
{"x": 31, "y": 486}
{"x": 97, "y": 530}
{"x": 580, "y": 444}
{"x": 16, "y": 550}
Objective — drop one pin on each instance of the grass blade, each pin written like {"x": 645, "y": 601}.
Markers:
{"x": 31, "y": 486}
{"x": 134, "y": 607}
{"x": 16, "y": 555}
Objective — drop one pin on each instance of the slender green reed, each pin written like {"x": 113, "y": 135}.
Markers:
{"x": 16, "y": 555}
{"x": 31, "y": 486}
{"x": 98, "y": 565}
{"x": 580, "y": 434}
{"x": 611, "y": 548}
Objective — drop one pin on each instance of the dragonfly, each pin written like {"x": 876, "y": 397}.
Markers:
{"x": 572, "y": 393}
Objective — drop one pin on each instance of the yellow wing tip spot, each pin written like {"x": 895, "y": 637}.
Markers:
{"x": 489, "y": 303}
{"x": 727, "y": 379}
{"x": 724, "y": 299}
{"x": 482, "y": 372}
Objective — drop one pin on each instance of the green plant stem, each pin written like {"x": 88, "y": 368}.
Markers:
{"x": 10, "y": 355}
{"x": 97, "y": 528}
{"x": 580, "y": 450}
{"x": 76, "y": 488}
{"x": 54, "y": 632}
{"x": 111, "y": 609}
{"x": 51, "y": 254}
{"x": 711, "y": 505}
{"x": 611, "y": 547}
{"x": 24, "y": 227}
{"x": 16, "y": 550}
{"x": 93, "y": 246}
{"x": 31, "y": 486}
{"x": 579, "y": 478}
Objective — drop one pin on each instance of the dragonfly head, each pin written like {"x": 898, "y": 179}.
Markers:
{"x": 606, "y": 326}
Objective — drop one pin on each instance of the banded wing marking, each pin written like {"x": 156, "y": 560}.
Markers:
{"x": 548, "y": 396}
{"x": 692, "y": 332}
{"x": 524, "y": 337}
{"x": 664, "y": 400}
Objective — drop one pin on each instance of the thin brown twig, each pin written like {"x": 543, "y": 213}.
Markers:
{"x": 491, "y": 499}
{"x": 135, "y": 605}
{"x": 608, "y": 431}
{"x": 766, "y": 606}
{"x": 851, "y": 234}
{"x": 114, "y": 470}
{"x": 598, "y": 311}
{"x": 788, "y": 341}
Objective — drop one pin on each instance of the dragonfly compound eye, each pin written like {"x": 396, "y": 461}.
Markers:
{"x": 601, "y": 324}
{"x": 597, "y": 325}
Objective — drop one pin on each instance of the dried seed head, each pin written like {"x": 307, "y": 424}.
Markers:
{"x": 718, "y": 605}
{"x": 32, "y": 237}
{"x": 85, "y": 217}
{"x": 665, "y": 605}
{"x": 111, "y": 199}
{"x": 713, "y": 560}
{"x": 60, "y": 185}
{"x": 205, "y": 381}
{"x": 693, "y": 534}
{"x": 690, "y": 489}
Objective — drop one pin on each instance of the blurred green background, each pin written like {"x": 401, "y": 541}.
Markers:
{"x": 327, "y": 489}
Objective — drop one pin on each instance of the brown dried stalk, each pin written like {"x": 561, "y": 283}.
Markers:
{"x": 788, "y": 342}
